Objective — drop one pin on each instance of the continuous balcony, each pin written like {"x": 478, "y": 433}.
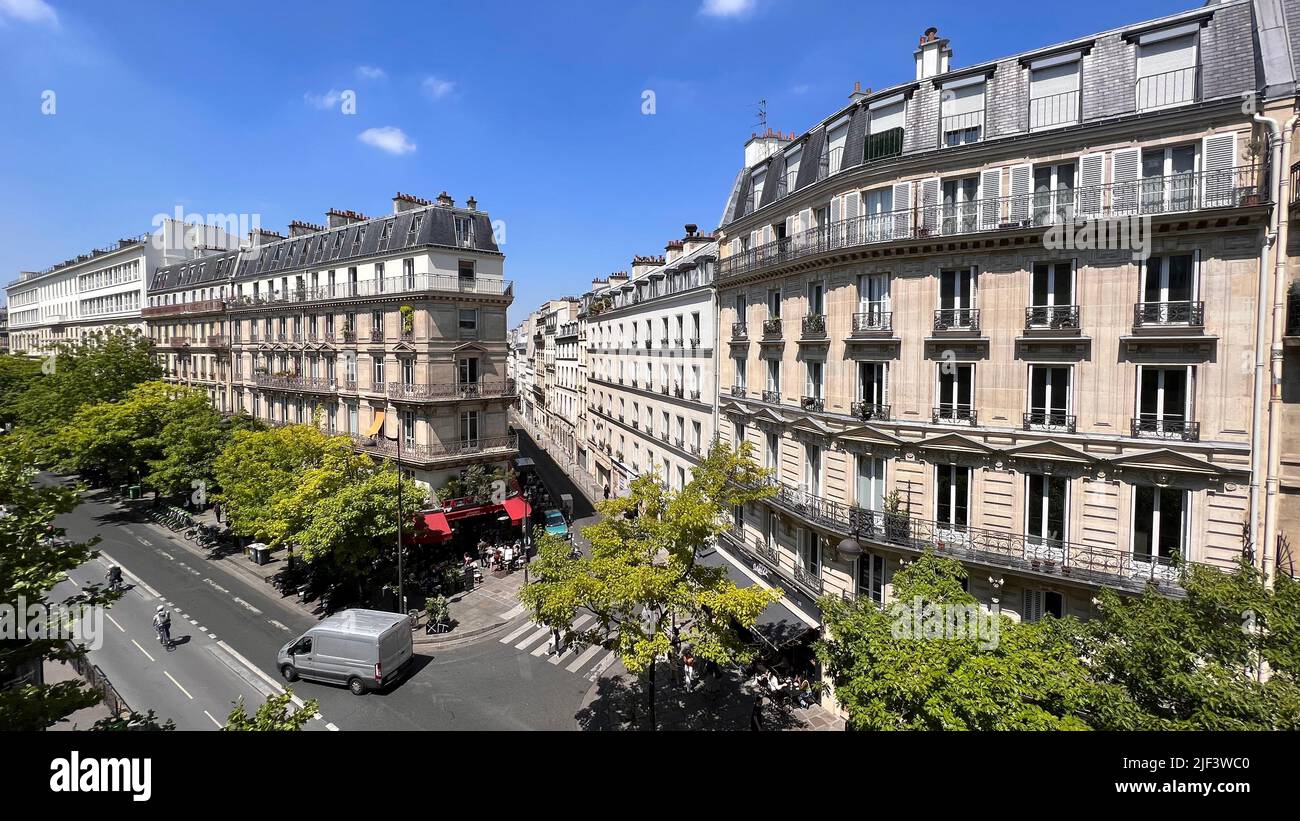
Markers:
{"x": 1148, "y": 427}
{"x": 1172, "y": 194}
{"x": 305, "y": 384}
{"x": 435, "y": 284}
{"x": 454, "y": 391}
{"x": 205, "y": 306}
{"x": 417, "y": 453}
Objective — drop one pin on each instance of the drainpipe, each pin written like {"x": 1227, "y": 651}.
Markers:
{"x": 1258, "y": 447}
{"x": 1277, "y": 238}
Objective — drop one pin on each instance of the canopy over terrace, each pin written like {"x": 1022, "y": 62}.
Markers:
{"x": 438, "y": 525}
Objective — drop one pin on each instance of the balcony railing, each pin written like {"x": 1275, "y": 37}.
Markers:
{"x": 1147, "y": 427}
{"x": 443, "y": 283}
{"x": 1090, "y": 564}
{"x": 1055, "y": 421}
{"x": 307, "y": 384}
{"x": 416, "y": 452}
{"x": 869, "y": 322}
{"x": 200, "y": 307}
{"x": 959, "y": 414}
{"x": 1052, "y": 317}
{"x": 884, "y": 145}
{"x": 739, "y": 331}
{"x": 1169, "y": 313}
{"x": 870, "y": 411}
{"x": 452, "y": 390}
{"x": 218, "y": 341}
{"x": 957, "y": 319}
{"x": 772, "y": 397}
{"x": 816, "y": 404}
{"x": 814, "y": 325}
{"x": 809, "y": 579}
{"x": 772, "y": 327}
{"x": 1053, "y": 110}
{"x": 1175, "y": 193}
{"x": 177, "y": 342}
{"x": 959, "y": 129}
{"x": 1168, "y": 88}
{"x": 829, "y": 163}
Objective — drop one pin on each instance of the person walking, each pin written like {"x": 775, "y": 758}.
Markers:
{"x": 688, "y": 668}
{"x": 756, "y": 714}
{"x": 606, "y": 493}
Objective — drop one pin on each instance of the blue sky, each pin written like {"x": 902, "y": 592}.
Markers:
{"x": 533, "y": 108}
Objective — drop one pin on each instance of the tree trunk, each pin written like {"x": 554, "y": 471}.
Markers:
{"x": 650, "y": 696}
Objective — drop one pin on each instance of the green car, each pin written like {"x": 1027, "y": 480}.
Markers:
{"x": 555, "y": 524}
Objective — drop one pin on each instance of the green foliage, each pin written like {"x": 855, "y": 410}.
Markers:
{"x": 31, "y": 563}
{"x": 888, "y": 678}
{"x": 438, "y": 608}
{"x": 17, "y": 375}
{"x": 274, "y": 715}
{"x": 134, "y": 721}
{"x": 642, "y": 576}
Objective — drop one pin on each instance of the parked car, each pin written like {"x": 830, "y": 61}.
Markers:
{"x": 556, "y": 524}
{"x": 364, "y": 649}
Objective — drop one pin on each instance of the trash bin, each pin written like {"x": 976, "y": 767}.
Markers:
{"x": 134, "y": 492}
{"x": 259, "y": 553}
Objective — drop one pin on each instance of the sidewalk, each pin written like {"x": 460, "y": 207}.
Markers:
{"x": 55, "y": 672}
{"x": 581, "y": 481}
{"x": 617, "y": 701}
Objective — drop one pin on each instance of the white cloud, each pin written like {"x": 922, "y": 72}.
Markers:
{"x": 371, "y": 73}
{"x": 390, "y": 139}
{"x": 329, "y": 99}
{"x": 727, "y": 8}
{"x": 29, "y": 11}
{"x": 437, "y": 88}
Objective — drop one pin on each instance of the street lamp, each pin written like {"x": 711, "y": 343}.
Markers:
{"x": 401, "y": 578}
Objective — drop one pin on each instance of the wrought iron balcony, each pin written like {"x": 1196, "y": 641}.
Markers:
{"x": 678, "y": 391}
{"x": 1148, "y": 427}
{"x": 772, "y": 397}
{"x": 772, "y": 327}
{"x": 870, "y": 322}
{"x": 1052, "y": 317}
{"x": 1241, "y": 186}
{"x": 815, "y": 404}
{"x": 810, "y": 580}
{"x": 389, "y": 286}
{"x": 739, "y": 331}
{"x": 424, "y": 453}
{"x": 305, "y": 384}
{"x": 451, "y": 390}
{"x": 1146, "y": 314}
{"x": 1054, "y": 110}
{"x": 814, "y": 325}
{"x": 957, "y": 319}
{"x": 1048, "y": 420}
{"x": 1175, "y": 87}
{"x": 870, "y": 411}
{"x": 347, "y": 336}
{"x": 957, "y": 414}
{"x": 376, "y": 334}
{"x": 203, "y": 306}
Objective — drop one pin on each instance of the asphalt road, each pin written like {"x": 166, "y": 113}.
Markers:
{"x": 487, "y": 685}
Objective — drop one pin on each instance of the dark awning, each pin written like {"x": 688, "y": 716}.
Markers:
{"x": 777, "y": 625}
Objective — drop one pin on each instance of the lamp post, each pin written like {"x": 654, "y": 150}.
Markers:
{"x": 401, "y": 577}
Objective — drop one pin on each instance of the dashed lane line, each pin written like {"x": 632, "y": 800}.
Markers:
{"x": 142, "y": 650}
{"x": 250, "y": 608}
{"x": 214, "y": 721}
{"x": 257, "y": 671}
{"x": 115, "y": 624}
{"x": 178, "y": 685}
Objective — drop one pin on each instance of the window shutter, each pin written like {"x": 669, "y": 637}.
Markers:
{"x": 1021, "y": 191}
{"x": 1092, "y": 169}
{"x": 929, "y": 204}
{"x": 1218, "y": 160}
{"x": 1124, "y": 167}
{"x": 884, "y": 385}
{"x": 990, "y": 197}
{"x": 902, "y": 204}
{"x": 1033, "y": 605}
{"x": 852, "y": 231}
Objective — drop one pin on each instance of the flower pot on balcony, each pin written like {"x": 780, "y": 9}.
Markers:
{"x": 1249, "y": 200}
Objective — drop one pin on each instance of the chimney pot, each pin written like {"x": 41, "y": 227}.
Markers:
{"x": 471, "y": 203}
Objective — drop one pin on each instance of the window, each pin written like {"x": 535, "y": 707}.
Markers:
{"x": 465, "y": 269}
{"x": 469, "y": 427}
{"x": 467, "y": 370}
{"x": 408, "y": 274}
{"x": 836, "y": 136}
{"x": 468, "y": 321}
{"x": 1049, "y": 398}
{"x": 885, "y": 131}
{"x": 1164, "y": 402}
{"x": 813, "y": 389}
{"x": 956, "y": 387}
{"x": 1169, "y": 291}
{"x": 1051, "y": 297}
{"x": 956, "y": 299}
{"x": 773, "y": 380}
{"x": 1159, "y": 524}
{"x": 810, "y": 554}
{"x": 772, "y": 458}
{"x": 812, "y": 470}
{"x": 772, "y": 530}
{"x": 1053, "y": 193}
{"x": 1046, "y": 500}
{"x": 869, "y": 489}
{"x": 962, "y": 114}
{"x": 378, "y": 381}
{"x": 960, "y": 205}
{"x": 871, "y": 577}
{"x": 740, "y": 434}
{"x": 1054, "y": 91}
{"x": 952, "y": 498}
{"x": 873, "y": 302}
{"x": 739, "y": 383}
{"x": 873, "y": 393}
{"x": 774, "y": 303}
{"x": 1039, "y": 603}
{"x": 1166, "y": 67}
{"x": 465, "y": 232}
{"x": 816, "y": 298}
{"x": 1168, "y": 179}
{"x": 408, "y": 429}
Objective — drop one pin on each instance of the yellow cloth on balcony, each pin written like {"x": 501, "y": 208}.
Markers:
{"x": 376, "y": 424}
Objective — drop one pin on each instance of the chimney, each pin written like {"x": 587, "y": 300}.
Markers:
{"x": 405, "y": 202}
{"x": 335, "y": 218}
{"x": 694, "y": 239}
{"x": 673, "y": 250}
{"x": 643, "y": 265}
{"x": 263, "y": 236}
{"x": 759, "y": 148}
{"x": 471, "y": 203}
{"x": 617, "y": 278}
{"x": 859, "y": 93}
{"x": 932, "y": 55}
{"x": 298, "y": 228}
{"x": 445, "y": 200}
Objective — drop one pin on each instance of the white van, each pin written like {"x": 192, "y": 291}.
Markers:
{"x": 364, "y": 649}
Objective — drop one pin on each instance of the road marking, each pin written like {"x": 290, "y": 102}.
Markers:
{"x": 601, "y": 666}
{"x": 281, "y": 626}
{"x": 577, "y": 625}
{"x": 178, "y": 685}
{"x": 142, "y": 650}
{"x": 217, "y": 586}
{"x": 275, "y": 685}
{"x": 142, "y": 540}
{"x": 528, "y": 625}
{"x": 195, "y": 622}
{"x": 584, "y": 658}
{"x": 136, "y": 580}
{"x": 115, "y": 624}
{"x": 247, "y": 606}
{"x": 517, "y": 611}
{"x": 534, "y": 637}
{"x": 214, "y": 721}
{"x": 329, "y": 725}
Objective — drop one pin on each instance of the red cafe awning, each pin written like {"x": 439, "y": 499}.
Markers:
{"x": 433, "y": 528}
{"x": 517, "y": 508}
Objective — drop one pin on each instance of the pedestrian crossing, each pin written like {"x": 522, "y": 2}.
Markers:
{"x": 535, "y": 640}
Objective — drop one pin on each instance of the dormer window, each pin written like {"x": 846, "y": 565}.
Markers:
{"x": 1167, "y": 67}
{"x": 962, "y": 116}
{"x": 1054, "y": 91}
{"x": 414, "y": 230}
{"x": 356, "y": 242}
{"x": 385, "y": 234}
{"x": 464, "y": 232}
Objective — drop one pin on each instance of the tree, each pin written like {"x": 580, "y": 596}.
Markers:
{"x": 34, "y": 557}
{"x": 17, "y": 375}
{"x": 134, "y": 721}
{"x": 1006, "y": 675}
{"x": 101, "y": 367}
{"x": 642, "y": 577}
{"x": 273, "y": 716}
{"x": 1222, "y": 658}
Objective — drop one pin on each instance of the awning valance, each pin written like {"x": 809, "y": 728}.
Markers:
{"x": 517, "y": 508}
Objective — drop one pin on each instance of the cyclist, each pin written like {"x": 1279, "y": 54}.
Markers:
{"x": 114, "y": 578}
{"x": 162, "y": 623}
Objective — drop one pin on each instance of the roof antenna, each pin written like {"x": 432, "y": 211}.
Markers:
{"x": 762, "y": 116}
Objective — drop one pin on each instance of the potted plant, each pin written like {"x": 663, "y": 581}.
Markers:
{"x": 438, "y": 609}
